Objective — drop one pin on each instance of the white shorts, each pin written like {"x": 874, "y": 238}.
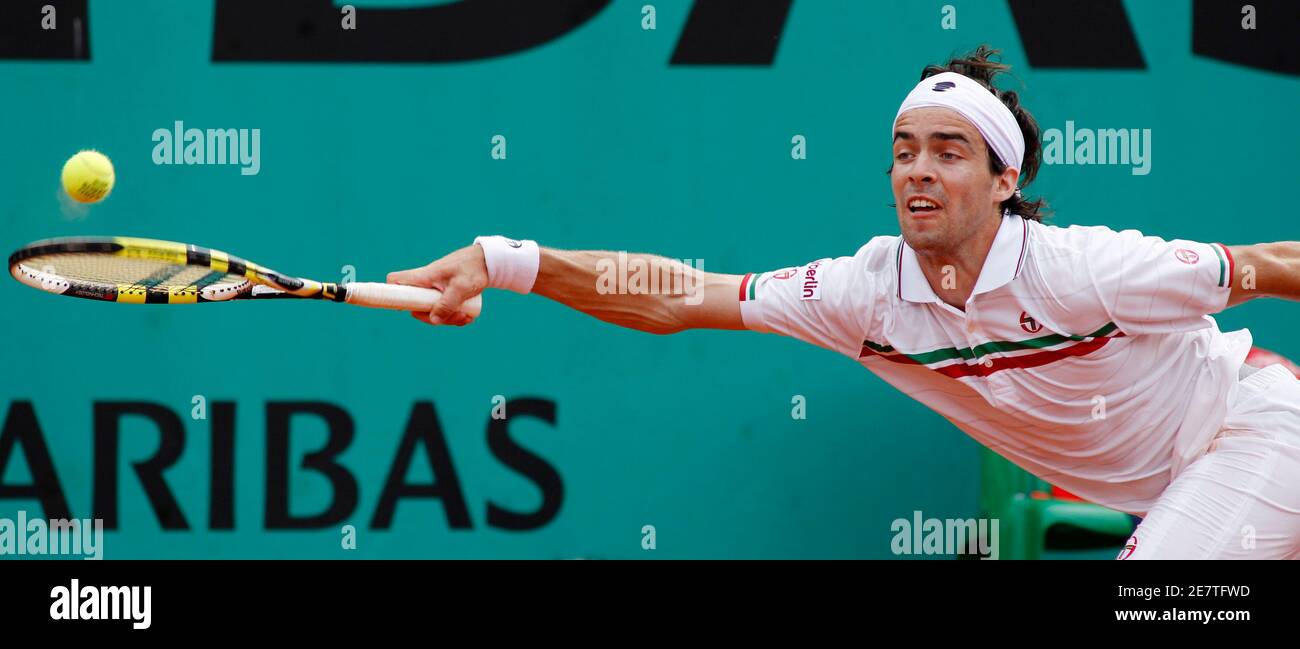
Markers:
{"x": 1241, "y": 500}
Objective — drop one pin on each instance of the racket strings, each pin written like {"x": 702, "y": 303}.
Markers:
{"x": 111, "y": 271}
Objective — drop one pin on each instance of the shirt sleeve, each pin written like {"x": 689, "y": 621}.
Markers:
{"x": 827, "y": 302}
{"x": 1149, "y": 285}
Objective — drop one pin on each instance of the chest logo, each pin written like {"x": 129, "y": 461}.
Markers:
{"x": 1029, "y": 324}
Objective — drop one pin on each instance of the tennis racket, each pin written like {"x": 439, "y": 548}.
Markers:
{"x": 148, "y": 271}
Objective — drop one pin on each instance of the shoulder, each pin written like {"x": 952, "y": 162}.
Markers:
{"x": 1069, "y": 246}
{"x": 873, "y": 270}
{"x": 1075, "y": 237}
{"x": 879, "y": 254}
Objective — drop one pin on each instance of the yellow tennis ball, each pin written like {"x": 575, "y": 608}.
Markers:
{"x": 88, "y": 176}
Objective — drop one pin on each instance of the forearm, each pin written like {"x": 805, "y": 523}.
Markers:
{"x": 1266, "y": 270}
{"x": 643, "y": 292}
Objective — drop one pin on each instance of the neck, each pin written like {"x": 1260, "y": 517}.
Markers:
{"x": 953, "y": 272}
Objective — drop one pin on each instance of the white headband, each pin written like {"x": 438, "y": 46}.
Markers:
{"x": 979, "y": 106}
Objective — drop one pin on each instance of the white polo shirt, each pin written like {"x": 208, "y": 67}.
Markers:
{"x": 1084, "y": 355}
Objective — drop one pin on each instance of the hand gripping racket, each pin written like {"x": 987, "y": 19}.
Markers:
{"x": 147, "y": 271}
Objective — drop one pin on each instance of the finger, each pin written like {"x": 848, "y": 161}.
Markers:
{"x": 459, "y": 319}
{"x": 448, "y": 306}
{"x": 423, "y": 317}
{"x": 429, "y": 275}
{"x": 409, "y": 277}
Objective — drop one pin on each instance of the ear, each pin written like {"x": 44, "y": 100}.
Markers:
{"x": 1004, "y": 184}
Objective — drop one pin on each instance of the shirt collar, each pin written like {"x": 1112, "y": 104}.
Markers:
{"x": 1003, "y": 264}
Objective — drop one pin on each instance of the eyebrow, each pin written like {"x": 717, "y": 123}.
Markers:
{"x": 951, "y": 136}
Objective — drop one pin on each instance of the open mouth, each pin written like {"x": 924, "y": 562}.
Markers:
{"x": 922, "y": 205}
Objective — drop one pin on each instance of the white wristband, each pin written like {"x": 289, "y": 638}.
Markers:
{"x": 511, "y": 264}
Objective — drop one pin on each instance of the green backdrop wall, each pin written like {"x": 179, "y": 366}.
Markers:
{"x": 387, "y": 166}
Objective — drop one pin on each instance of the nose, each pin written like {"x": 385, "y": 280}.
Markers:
{"x": 921, "y": 171}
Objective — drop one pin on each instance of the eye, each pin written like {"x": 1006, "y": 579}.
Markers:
{"x": 948, "y": 155}
{"x": 903, "y": 155}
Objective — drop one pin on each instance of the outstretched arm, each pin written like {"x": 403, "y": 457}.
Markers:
{"x": 687, "y": 298}
{"x": 594, "y": 283}
{"x": 1265, "y": 270}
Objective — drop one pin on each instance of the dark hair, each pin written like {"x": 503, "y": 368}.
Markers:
{"x": 977, "y": 66}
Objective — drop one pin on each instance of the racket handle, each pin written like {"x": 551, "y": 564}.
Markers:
{"x": 403, "y": 298}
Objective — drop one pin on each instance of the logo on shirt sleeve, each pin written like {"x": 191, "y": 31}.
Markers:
{"x": 812, "y": 286}
{"x": 1129, "y": 548}
{"x": 1187, "y": 256}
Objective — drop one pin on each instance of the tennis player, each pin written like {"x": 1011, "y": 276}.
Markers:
{"x": 1084, "y": 355}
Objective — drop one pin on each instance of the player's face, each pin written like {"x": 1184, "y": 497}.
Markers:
{"x": 942, "y": 183}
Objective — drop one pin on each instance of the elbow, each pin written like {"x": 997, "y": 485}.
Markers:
{"x": 664, "y": 324}
{"x": 660, "y": 316}
{"x": 664, "y": 329}
{"x": 666, "y": 318}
